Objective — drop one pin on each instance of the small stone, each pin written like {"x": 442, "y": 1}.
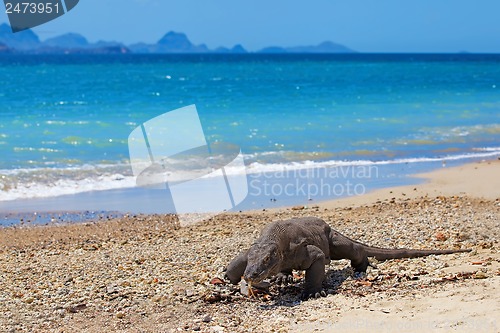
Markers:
{"x": 120, "y": 314}
{"x": 217, "y": 328}
{"x": 244, "y": 290}
{"x": 29, "y": 300}
{"x": 76, "y": 308}
{"x": 216, "y": 281}
{"x": 480, "y": 275}
{"x": 441, "y": 236}
{"x": 60, "y": 312}
{"x": 111, "y": 289}
{"x": 125, "y": 283}
{"x": 207, "y": 319}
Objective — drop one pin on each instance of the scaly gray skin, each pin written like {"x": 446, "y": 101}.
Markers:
{"x": 308, "y": 243}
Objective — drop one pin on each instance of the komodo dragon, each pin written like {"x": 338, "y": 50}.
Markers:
{"x": 307, "y": 243}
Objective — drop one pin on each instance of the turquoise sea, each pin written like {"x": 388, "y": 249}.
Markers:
{"x": 65, "y": 120}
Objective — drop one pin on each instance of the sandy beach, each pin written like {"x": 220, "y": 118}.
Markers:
{"x": 145, "y": 273}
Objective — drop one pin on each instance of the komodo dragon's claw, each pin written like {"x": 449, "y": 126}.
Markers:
{"x": 306, "y": 296}
{"x": 283, "y": 279}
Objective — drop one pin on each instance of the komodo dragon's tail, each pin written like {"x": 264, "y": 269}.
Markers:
{"x": 342, "y": 247}
{"x": 384, "y": 254}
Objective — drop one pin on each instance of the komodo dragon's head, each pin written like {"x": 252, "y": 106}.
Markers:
{"x": 263, "y": 261}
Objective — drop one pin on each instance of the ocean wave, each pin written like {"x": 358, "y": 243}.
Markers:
{"x": 26, "y": 183}
{"x": 489, "y": 149}
{"x": 66, "y": 186}
{"x": 50, "y": 182}
{"x": 257, "y": 167}
{"x": 99, "y": 167}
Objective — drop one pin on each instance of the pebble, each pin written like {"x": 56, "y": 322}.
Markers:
{"x": 480, "y": 275}
{"x": 217, "y": 328}
{"x": 29, "y": 300}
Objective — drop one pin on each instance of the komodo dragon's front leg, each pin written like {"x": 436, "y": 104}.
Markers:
{"x": 237, "y": 267}
{"x": 314, "y": 264}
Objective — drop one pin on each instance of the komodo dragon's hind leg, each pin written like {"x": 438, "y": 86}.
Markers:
{"x": 315, "y": 273}
{"x": 360, "y": 265}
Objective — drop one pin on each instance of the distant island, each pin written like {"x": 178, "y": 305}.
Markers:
{"x": 28, "y": 42}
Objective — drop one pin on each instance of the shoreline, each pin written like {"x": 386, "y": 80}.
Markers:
{"x": 93, "y": 205}
{"x": 145, "y": 273}
{"x": 476, "y": 179}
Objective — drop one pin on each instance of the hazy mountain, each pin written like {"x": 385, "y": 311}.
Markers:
{"x": 273, "y": 49}
{"x": 24, "y": 40}
{"x": 67, "y": 41}
{"x": 172, "y": 42}
{"x": 325, "y": 47}
{"x": 237, "y": 49}
{"x": 86, "y": 50}
{"x": 77, "y": 44}
{"x": 175, "y": 42}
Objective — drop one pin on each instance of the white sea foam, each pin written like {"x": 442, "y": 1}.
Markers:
{"x": 29, "y": 190}
{"x": 257, "y": 167}
{"x": 50, "y": 182}
{"x": 25, "y": 183}
{"x": 490, "y": 149}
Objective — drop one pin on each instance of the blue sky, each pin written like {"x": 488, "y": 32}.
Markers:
{"x": 363, "y": 25}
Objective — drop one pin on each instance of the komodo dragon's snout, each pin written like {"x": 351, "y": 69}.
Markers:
{"x": 263, "y": 260}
